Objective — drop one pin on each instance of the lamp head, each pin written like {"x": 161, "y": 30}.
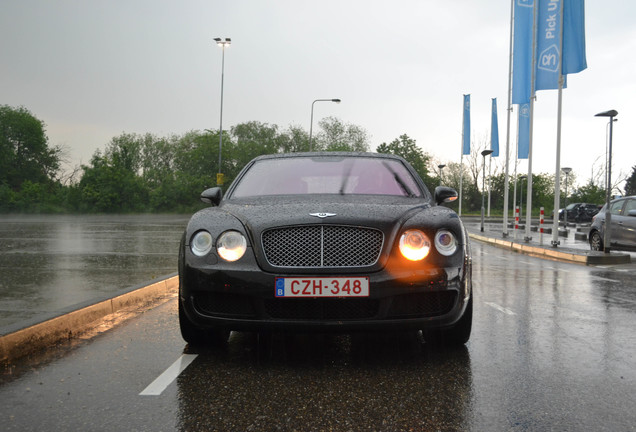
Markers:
{"x": 223, "y": 43}
{"x": 566, "y": 170}
{"x": 610, "y": 113}
{"x": 335, "y": 100}
{"x": 486, "y": 152}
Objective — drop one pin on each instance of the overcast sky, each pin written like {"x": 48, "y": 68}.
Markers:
{"x": 92, "y": 70}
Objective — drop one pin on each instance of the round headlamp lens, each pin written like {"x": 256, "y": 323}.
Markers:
{"x": 201, "y": 243}
{"x": 231, "y": 245}
{"x": 445, "y": 242}
{"x": 414, "y": 245}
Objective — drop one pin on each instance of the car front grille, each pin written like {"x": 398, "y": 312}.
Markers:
{"x": 322, "y": 246}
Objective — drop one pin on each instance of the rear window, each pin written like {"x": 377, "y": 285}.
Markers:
{"x": 327, "y": 175}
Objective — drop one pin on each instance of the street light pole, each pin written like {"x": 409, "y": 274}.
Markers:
{"x": 608, "y": 215}
{"x": 523, "y": 177}
{"x": 567, "y": 171}
{"x": 484, "y": 153}
{"x": 222, "y": 44}
{"x": 311, "y": 124}
{"x": 440, "y": 166}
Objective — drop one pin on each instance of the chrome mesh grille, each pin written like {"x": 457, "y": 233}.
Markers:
{"x": 322, "y": 246}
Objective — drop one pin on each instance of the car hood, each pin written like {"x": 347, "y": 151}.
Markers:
{"x": 381, "y": 212}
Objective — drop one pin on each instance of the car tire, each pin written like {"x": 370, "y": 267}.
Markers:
{"x": 457, "y": 335}
{"x": 596, "y": 241}
{"x": 197, "y": 336}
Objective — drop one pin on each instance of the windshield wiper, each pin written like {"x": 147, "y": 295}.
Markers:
{"x": 399, "y": 181}
{"x": 345, "y": 179}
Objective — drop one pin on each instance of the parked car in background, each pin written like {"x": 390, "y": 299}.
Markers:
{"x": 326, "y": 242}
{"x": 623, "y": 230}
{"x": 579, "y": 212}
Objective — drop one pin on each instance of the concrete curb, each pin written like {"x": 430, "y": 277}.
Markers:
{"x": 68, "y": 326}
{"x": 582, "y": 257}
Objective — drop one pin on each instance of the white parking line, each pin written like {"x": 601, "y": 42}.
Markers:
{"x": 603, "y": 279}
{"x": 165, "y": 379}
{"x": 500, "y": 308}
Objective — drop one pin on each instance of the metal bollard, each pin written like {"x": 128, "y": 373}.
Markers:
{"x": 541, "y": 226}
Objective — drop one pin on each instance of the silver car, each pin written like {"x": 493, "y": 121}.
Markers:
{"x": 623, "y": 230}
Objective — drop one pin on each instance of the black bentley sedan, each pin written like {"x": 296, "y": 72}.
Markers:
{"x": 326, "y": 242}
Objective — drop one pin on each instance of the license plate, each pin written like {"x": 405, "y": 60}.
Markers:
{"x": 322, "y": 287}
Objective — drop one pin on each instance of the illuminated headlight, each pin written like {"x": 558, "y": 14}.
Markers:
{"x": 414, "y": 245}
{"x": 201, "y": 243}
{"x": 445, "y": 242}
{"x": 231, "y": 246}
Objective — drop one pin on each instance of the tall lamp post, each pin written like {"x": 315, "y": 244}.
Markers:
{"x": 567, "y": 172}
{"x": 311, "y": 124}
{"x": 222, "y": 44}
{"x": 522, "y": 178}
{"x": 608, "y": 215}
{"x": 484, "y": 153}
{"x": 441, "y": 167}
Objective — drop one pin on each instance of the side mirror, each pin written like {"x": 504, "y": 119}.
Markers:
{"x": 212, "y": 196}
{"x": 631, "y": 213}
{"x": 445, "y": 194}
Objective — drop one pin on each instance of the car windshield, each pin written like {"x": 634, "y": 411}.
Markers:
{"x": 327, "y": 175}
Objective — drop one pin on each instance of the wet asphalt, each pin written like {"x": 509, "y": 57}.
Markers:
{"x": 53, "y": 264}
{"x": 553, "y": 348}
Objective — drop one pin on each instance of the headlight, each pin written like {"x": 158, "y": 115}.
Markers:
{"x": 201, "y": 243}
{"x": 231, "y": 246}
{"x": 445, "y": 242}
{"x": 414, "y": 245}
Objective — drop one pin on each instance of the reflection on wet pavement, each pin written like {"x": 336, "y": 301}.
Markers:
{"x": 326, "y": 382}
{"x": 50, "y": 263}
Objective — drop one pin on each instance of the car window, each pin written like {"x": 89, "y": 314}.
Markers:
{"x": 630, "y": 205}
{"x": 327, "y": 175}
{"x": 616, "y": 208}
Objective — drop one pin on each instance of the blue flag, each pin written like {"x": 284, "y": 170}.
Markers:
{"x": 523, "y": 140}
{"x": 548, "y": 45}
{"x": 494, "y": 130}
{"x": 574, "y": 36}
{"x": 466, "y": 126}
{"x": 522, "y": 51}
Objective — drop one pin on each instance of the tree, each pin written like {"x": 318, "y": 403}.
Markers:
{"x": 113, "y": 182}
{"x": 630, "y": 183}
{"x": 294, "y": 139}
{"x": 589, "y": 193}
{"x": 338, "y": 136}
{"x": 408, "y": 149}
{"x": 25, "y": 153}
{"x": 252, "y": 139}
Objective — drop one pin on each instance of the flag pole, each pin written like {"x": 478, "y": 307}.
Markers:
{"x": 489, "y": 173}
{"x": 527, "y": 237}
{"x": 509, "y": 110}
{"x": 461, "y": 159}
{"x": 557, "y": 175}
{"x": 461, "y": 172}
{"x": 461, "y": 176}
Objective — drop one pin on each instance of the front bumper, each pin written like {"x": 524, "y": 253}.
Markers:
{"x": 244, "y": 299}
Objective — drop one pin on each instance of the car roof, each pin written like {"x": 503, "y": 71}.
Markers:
{"x": 329, "y": 154}
{"x": 624, "y": 198}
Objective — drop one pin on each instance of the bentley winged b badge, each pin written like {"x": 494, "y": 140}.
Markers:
{"x": 322, "y": 215}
